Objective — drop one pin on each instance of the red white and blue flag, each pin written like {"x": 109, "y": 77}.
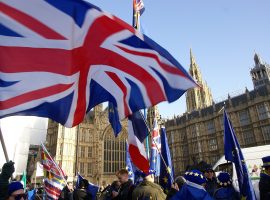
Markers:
{"x": 137, "y": 132}
{"x": 60, "y": 58}
{"x": 155, "y": 149}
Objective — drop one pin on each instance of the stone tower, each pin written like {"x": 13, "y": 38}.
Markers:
{"x": 152, "y": 113}
{"x": 260, "y": 73}
{"x": 199, "y": 97}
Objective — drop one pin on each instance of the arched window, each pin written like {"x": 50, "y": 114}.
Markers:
{"x": 114, "y": 152}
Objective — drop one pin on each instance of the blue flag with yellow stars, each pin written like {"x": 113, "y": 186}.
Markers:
{"x": 166, "y": 171}
{"x": 114, "y": 119}
{"x": 129, "y": 166}
{"x": 234, "y": 154}
{"x": 91, "y": 188}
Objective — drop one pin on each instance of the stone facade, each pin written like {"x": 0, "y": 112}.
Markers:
{"x": 99, "y": 154}
{"x": 198, "y": 135}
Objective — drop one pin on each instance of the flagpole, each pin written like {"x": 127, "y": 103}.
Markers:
{"x": 62, "y": 176}
{"x": 147, "y": 140}
{"x": 137, "y": 25}
{"x": 77, "y": 146}
{"x": 149, "y": 132}
{"x": 3, "y": 145}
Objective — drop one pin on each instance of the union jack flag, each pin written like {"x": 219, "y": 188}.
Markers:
{"x": 155, "y": 149}
{"x": 60, "y": 58}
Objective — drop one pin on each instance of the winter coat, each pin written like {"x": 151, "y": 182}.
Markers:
{"x": 125, "y": 191}
{"x": 226, "y": 193}
{"x": 171, "y": 193}
{"x": 264, "y": 186}
{"x": 66, "y": 194}
{"x": 148, "y": 190}
{"x": 192, "y": 191}
{"x": 81, "y": 194}
{"x": 211, "y": 186}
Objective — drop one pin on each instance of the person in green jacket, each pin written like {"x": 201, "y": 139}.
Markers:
{"x": 147, "y": 189}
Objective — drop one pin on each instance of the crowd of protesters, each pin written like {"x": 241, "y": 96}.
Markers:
{"x": 198, "y": 183}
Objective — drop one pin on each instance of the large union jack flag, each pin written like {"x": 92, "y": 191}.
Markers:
{"x": 60, "y": 58}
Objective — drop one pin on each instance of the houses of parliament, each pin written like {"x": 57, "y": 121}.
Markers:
{"x": 92, "y": 149}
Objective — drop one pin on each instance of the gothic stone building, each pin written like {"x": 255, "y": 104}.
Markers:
{"x": 99, "y": 154}
{"x": 198, "y": 134}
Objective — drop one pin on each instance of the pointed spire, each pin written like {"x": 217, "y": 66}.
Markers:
{"x": 197, "y": 98}
{"x": 194, "y": 69}
{"x": 192, "y": 59}
{"x": 257, "y": 59}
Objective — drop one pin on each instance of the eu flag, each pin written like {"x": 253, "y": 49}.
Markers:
{"x": 79, "y": 178}
{"x": 114, "y": 119}
{"x": 91, "y": 189}
{"x": 166, "y": 171}
{"x": 234, "y": 154}
{"x": 129, "y": 166}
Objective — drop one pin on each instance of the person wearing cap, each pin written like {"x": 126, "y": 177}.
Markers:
{"x": 211, "y": 182}
{"x": 147, "y": 189}
{"x": 5, "y": 175}
{"x": 193, "y": 189}
{"x": 15, "y": 191}
{"x": 126, "y": 188}
{"x": 225, "y": 189}
{"x": 264, "y": 184}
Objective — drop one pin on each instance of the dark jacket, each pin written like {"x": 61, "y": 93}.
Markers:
{"x": 7, "y": 171}
{"x": 192, "y": 191}
{"x": 171, "y": 193}
{"x": 211, "y": 185}
{"x": 148, "y": 190}
{"x": 81, "y": 194}
{"x": 66, "y": 194}
{"x": 264, "y": 186}
{"x": 226, "y": 193}
{"x": 125, "y": 191}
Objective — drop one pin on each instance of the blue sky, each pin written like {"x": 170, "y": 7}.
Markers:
{"x": 223, "y": 36}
